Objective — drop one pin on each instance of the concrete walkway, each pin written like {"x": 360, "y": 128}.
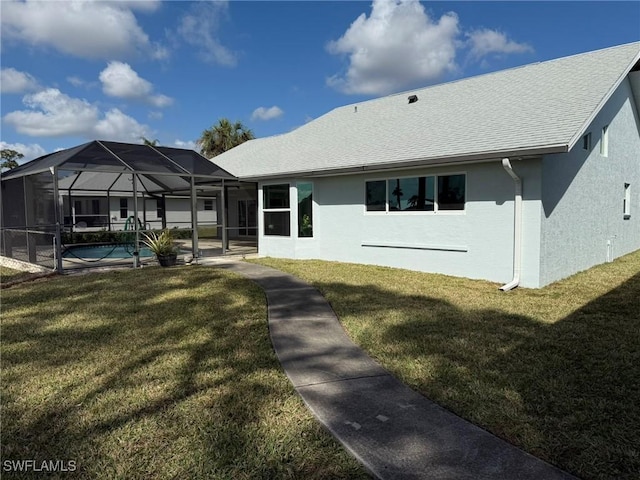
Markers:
{"x": 393, "y": 431}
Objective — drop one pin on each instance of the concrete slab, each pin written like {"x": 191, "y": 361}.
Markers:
{"x": 399, "y": 434}
{"x": 311, "y": 352}
{"x": 395, "y": 432}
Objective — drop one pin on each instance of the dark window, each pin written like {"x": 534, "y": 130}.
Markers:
{"x": 411, "y": 194}
{"x": 451, "y": 192}
{"x": 586, "y": 142}
{"x": 277, "y": 223}
{"x": 77, "y": 206}
{"x": 124, "y": 208}
{"x": 160, "y": 208}
{"x": 276, "y": 196}
{"x": 376, "y": 196}
{"x": 305, "y": 209}
{"x": 95, "y": 206}
{"x": 208, "y": 204}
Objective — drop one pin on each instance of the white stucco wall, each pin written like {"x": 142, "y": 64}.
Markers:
{"x": 583, "y": 194}
{"x": 476, "y": 243}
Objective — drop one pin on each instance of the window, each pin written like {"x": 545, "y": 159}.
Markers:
{"x": 411, "y": 194}
{"x": 208, "y": 204}
{"x": 95, "y": 206}
{"x": 305, "y": 209}
{"x": 451, "y": 192}
{"x": 160, "y": 207}
{"x": 604, "y": 141}
{"x": 277, "y": 214}
{"x": 626, "y": 203}
{"x": 416, "y": 194}
{"x": 77, "y": 206}
{"x": 586, "y": 142}
{"x": 124, "y": 208}
{"x": 376, "y": 200}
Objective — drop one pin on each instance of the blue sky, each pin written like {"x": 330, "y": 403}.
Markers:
{"x": 119, "y": 70}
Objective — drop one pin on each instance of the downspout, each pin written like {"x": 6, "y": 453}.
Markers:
{"x": 517, "y": 228}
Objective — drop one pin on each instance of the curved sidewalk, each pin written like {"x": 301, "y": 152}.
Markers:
{"x": 393, "y": 431}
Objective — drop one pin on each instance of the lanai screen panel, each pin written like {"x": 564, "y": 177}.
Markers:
{"x": 93, "y": 157}
{"x": 142, "y": 158}
{"x": 194, "y": 162}
{"x": 29, "y": 219}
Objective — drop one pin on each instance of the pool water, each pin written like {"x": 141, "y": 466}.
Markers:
{"x": 104, "y": 251}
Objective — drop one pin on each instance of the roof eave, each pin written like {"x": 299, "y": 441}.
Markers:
{"x": 481, "y": 157}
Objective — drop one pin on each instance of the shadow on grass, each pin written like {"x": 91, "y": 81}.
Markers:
{"x": 160, "y": 373}
{"x": 567, "y": 392}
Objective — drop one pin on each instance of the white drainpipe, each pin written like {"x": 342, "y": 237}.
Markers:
{"x": 517, "y": 228}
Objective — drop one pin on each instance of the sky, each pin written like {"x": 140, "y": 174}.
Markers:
{"x": 75, "y": 71}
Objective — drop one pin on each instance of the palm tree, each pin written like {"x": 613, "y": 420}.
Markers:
{"x": 151, "y": 143}
{"x": 398, "y": 193}
{"x": 222, "y": 137}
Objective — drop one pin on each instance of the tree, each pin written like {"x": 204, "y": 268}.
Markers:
{"x": 151, "y": 143}
{"x": 222, "y": 137}
{"x": 10, "y": 158}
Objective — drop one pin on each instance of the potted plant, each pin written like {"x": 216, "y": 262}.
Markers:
{"x": 163, "y": 246}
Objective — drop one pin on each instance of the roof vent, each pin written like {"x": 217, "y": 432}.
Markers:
{"x": 413, "y": 98}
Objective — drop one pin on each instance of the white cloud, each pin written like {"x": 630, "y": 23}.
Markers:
{"x": 117, "y": 126}
{"x": 396, "y": 46}
{"x": 485, "y": 42}
{"x": 199, "y": 28}
{"x": 120, "y": 80}
{"x": 15, "y": 81}
{"x": 262, "y": 113}
{"x": 189, "y": 145}
{"x": 155, "y": 115}
{"x": 76, "y": 81}
{"x": 51, "y": 113}
{"x": 31, "y": 151}
{"x": 86, "y": 29}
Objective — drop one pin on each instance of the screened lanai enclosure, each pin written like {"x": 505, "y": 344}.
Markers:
{"x": 93, "y": 204}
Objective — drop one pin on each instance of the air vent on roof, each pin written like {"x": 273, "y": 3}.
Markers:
{"x": 413, "y": 98}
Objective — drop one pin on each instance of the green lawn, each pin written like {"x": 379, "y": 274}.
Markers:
{"x": 154, "y": 373}
{"x": 11, "y": 275}
{"x": 555, "y": 370}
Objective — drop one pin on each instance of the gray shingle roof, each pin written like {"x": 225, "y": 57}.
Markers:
{"x": 531, "y": 109}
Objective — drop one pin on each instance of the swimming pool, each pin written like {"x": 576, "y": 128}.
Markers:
{"x": 103, "y": 251}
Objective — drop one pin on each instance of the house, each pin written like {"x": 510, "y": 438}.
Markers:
{"x": 522, "y": 177}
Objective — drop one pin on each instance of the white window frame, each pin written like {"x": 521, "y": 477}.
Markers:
{"x": 274, "y": 210}
{"x": 604, "y": 141}
{"x": 436, "y": 210}
{"x": 626, "y": 203}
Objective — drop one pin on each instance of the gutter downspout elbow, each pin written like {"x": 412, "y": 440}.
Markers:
{"x": 517, "y": 228}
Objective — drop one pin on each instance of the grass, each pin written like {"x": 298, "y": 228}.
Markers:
{"x": 553, "y": 370}
{"x": 11, "y": 275}
{"x": 154, "y": 373}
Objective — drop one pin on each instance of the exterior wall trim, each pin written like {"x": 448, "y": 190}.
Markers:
{"x": 412, "y": 246}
